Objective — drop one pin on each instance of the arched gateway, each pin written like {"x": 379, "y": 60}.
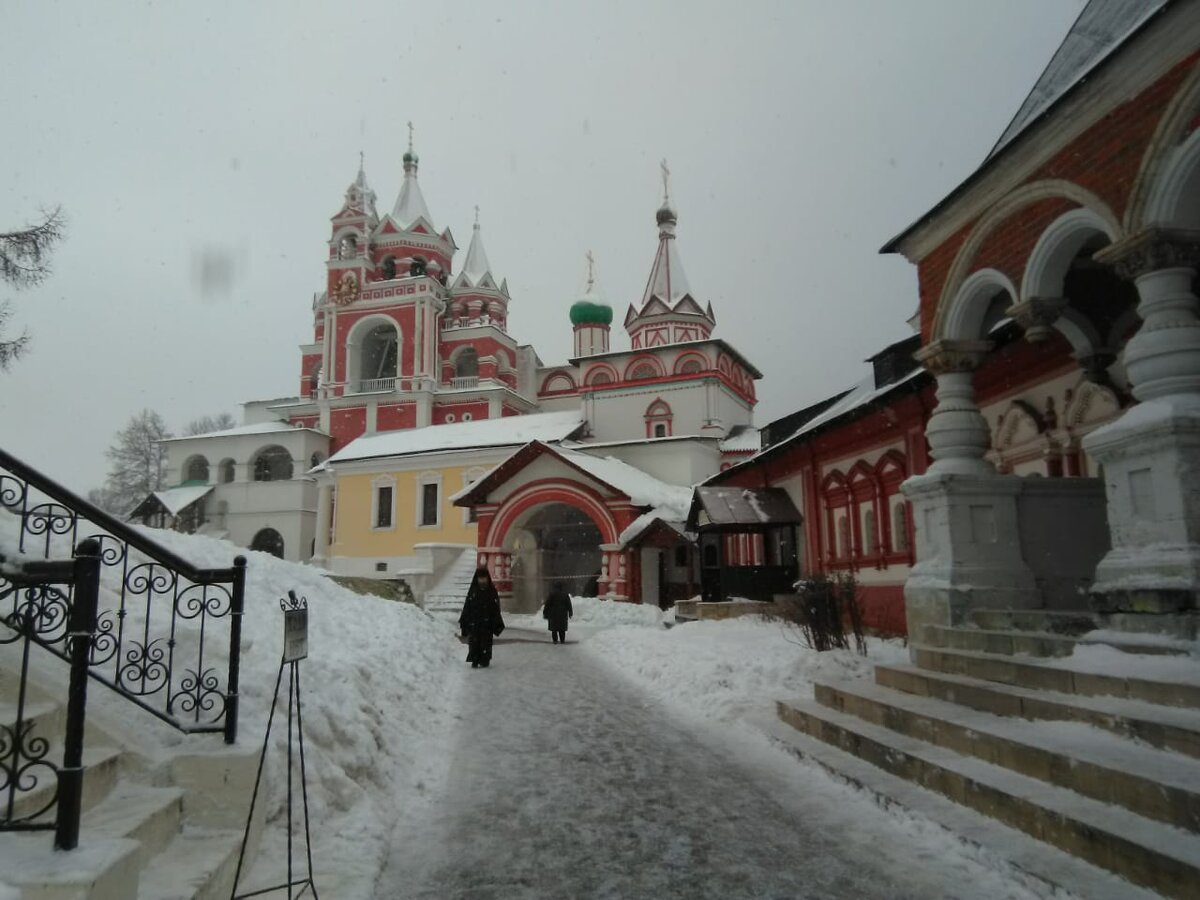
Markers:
{"x": 547, "y": 514}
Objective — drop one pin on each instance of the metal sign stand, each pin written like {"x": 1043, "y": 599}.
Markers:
{"x": 295, "y": 648}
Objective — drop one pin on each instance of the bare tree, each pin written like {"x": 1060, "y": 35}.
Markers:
{"x": 203, "y": 425}
{"x": 138, "y": 463}
{"x": 24, "y": 262}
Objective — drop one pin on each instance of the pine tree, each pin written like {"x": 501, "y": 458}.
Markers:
{"x": 138, "y": 463}
{"x": 24, "y": 262}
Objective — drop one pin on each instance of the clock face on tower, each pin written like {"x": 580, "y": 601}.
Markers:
{"x": 346, "y": 291}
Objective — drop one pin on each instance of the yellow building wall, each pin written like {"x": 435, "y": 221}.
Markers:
{"x": 353, "y": 531}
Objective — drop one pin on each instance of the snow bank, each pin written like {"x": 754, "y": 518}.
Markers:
{"x": 594, "y": 614}
{"x": 378, "y": 684}
{"x": 724, "y": 669}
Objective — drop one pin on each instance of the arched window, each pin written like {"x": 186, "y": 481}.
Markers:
{"x": 314, "y": 378}
{"x": 843, "y": 537}
{"x": 485, "y": 312}
{"x": 658, "y": 418}
{"x": 268, "y": 540}
{"x": 418, "y": 266}
{"x": 689, "y": 367}
{"x": 900, "y": 527}
{"x": 642, "y": 371}
{"x": 870, "y": 539}
{"x": 388, "y": 269}
{"x": 380, "y": 354}
{"x": 348, "y": 247}
{"x": 227, "y": 470}
{"x": 316, "y": 459}
{"x": 195, "y": 469}
{"x": 466, "y": 363}
{"x": 601, "y": 378}
{"x": 273, "y": 464}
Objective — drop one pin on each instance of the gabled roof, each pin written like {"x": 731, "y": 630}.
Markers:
{"x": 255, "y": 428}
{"x": 621, "y": 478}
{"x": 1102, "y": 28}
{"x": 504, "y": 432}
{"x": 172, "y": 501}
{"x": 741, "y": 508}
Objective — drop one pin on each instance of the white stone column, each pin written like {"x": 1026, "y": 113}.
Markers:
{"x": 324, "y": 523}
{"x": 965, "y": 515}
{"x": 957, "y": 432}
{"x": 1151, "y": 455}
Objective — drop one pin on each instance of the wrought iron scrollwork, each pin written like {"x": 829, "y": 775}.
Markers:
{"x": 158, "y": 615}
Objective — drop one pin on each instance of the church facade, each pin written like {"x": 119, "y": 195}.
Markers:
{"x": 419, "y": 395}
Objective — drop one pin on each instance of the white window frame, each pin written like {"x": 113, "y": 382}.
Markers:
{"x": 427, "y": 478}
{"x": 381, "y": 482}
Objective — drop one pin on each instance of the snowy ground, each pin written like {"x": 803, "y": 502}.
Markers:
{"x": 618, "y": 765}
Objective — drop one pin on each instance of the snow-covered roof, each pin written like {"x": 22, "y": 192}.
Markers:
{"x": 507, "y": 431}
{"x": 410, "y": 205}
{"x": 1102, "y": 26}
{"x": 638, "y": 526}
{"x": 742, "y": 439}
{"x": 175, "y": 500}
{"x": 256, "y": 428}
{"x": 667, "y": 281}
{"x": 641, "y": 488}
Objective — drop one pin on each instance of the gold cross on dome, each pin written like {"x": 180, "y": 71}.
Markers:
{"x": 591, "y": 276}
{"x": 476, "y": 215}
{"x": 666, "y": 180}
{"x": 410, "y": 137}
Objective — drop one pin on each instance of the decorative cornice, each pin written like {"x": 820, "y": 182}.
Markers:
{"x": 1150, "y": 250}
{"x": 946, "y": 356}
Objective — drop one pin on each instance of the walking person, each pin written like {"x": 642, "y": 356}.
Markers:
{"x": 556, "y": 612}
{"x": 481, "y": 621}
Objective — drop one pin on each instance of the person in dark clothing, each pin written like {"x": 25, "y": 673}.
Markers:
{"x": 481, "y": 620}
{"x": 556, "y": 612}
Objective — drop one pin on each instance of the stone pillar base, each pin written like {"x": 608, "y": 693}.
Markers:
{"x": 1151, "y": 459}
{"x": 968, "y": 549}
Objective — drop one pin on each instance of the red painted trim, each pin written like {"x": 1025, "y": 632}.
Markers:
{"x": 550, "y": 490}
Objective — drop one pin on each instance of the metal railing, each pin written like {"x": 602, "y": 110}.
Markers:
{"x": 45, "y": 614}
{"x": 464, "y": 381}
{"x": 370, "y": 385}
{"x": 168, "y": 633}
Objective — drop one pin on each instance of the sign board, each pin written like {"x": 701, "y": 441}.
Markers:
{"x": 295, "y": 634}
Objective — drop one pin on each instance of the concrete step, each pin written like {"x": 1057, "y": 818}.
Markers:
{"x": 98, "y": 869}
{"x": 1148, "y": 853}
{"x": 196, "y": 865}
{"x": 150, "y": 815}
{"x": 1041, "y": 866}
{"x": 1041, "y": 620}
{"x": 1038, "y": 643}
{"x": 1150, "y": 782}
{"x": 100, "y": 771}
{"x": 1164, "y": 727}
{"x": 1059, "y": 677}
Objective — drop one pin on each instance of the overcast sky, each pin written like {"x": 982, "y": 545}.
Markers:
{"x": 800, "y": 136}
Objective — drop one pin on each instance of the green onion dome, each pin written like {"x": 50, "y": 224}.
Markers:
{"x": 588, "y": 312}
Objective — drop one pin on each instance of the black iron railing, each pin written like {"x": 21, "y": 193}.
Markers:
{"x": 35, "y": 793}
{"x": 168, "y": 634}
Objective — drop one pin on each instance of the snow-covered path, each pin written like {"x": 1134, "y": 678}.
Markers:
{"x": 565, "y": 780}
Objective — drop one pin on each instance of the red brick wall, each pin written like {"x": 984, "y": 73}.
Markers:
{"x": 345, "y": 425}
{"x": 395, "y": 416}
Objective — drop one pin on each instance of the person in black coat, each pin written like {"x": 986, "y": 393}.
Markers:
{"x": 556, "y": 612}
{"x": 481, "y": 620}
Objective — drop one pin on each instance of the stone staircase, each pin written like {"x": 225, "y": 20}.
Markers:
{"x": 445, "y": 599}
{"x": 154, "y": 827}
{"x": 1095, "y": 753}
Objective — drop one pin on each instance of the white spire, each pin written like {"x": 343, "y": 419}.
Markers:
{"x": 667, "y": 282}
{"x": 476, "y": 265}
{"x": 410, "y": 205}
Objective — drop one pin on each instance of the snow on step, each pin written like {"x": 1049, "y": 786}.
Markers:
{"x": 150, "y": 815}
{"x": 1032, "y": 858}
{"x": 448, "y": 594}
{"x": 197, "y": 865}
{"x": 1167, "y": 855}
